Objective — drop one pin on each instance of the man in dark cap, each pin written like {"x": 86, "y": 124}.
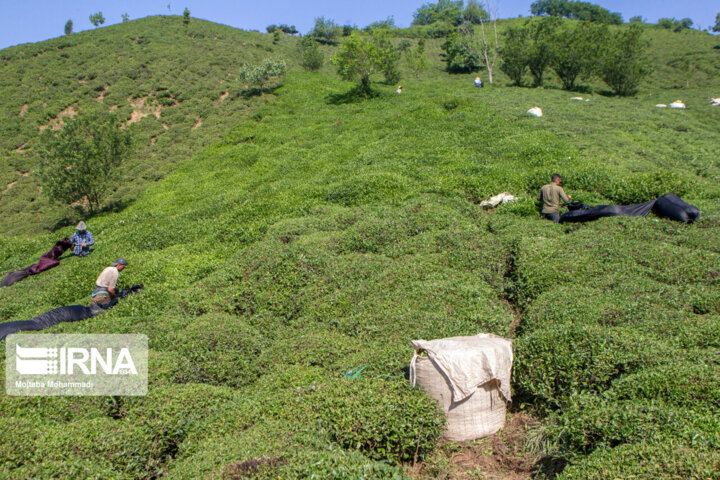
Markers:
{"x": 106, "y": 283}
{"x": 82, "y": 239}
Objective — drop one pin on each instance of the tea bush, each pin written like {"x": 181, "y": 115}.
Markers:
{"x": 380, "y": 420}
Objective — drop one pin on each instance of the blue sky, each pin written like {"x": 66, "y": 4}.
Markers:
{"x": 24, "y": 21}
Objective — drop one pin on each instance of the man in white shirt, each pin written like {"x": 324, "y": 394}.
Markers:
{"x": 106, "y": 283}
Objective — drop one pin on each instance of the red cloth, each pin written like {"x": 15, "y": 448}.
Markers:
{"x": 47, "y": 261}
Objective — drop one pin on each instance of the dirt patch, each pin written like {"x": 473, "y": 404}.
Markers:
{"x": 102, "y": 94}
{"x": 198, "y": 123}
{"x": 165, "y": 126}
{"x": 142, "y": 109}
{"x": 9, "y": 186}
{"x": 113, "y": 108}
{"x": 241, "y": 470}
{"x": 500, "y": 456}
{"x": 23, "y": 110}
{"x": 220, "y": 99}
{"x": 58, "y": 122}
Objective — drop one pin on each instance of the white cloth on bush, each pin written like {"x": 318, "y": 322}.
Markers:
{"x": 498, "y": 199}
{"x": 535, "y": 111}
{"x": 677, "y": 104}
{"x": 715, "y": 101}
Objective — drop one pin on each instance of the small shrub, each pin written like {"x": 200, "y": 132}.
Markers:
{"x": 385, "y": 420}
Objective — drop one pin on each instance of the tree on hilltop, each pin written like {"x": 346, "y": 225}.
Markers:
{"x": 363, "y": 55}
{"x": 68, "y": 27}
{"x": 186, "y": 17}
{"x": 325, "y": 31}
{"x": 125, "y": 17}
{"x": 97, "y": 19}
{"x": 716, "y": 27}
{"x": 80, "y": 163}
{"x": 449, "y": 11}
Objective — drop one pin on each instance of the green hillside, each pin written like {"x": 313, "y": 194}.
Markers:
{"x": 175, "y": 88}
{"x": 295, "y": 238}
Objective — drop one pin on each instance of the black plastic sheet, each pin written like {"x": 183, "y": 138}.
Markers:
{"x": 668, "y": 205}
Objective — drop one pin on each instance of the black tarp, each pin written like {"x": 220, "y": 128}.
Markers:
{"x": 668, "y": 205}
{"x": 48, "y": 260}
{"x": 71, "y": 313}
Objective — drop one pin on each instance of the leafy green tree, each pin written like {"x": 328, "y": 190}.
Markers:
{"x": 514, "y": 53}
{"x": 363, "y": 55}
{"x": 668, "y": 23}
{"x": 575, "y": 10}
{"x": 81, "y": 161}
{"x": 68, "y": 27}
{"x": 348, "y": 29}
{"x": 461, "y": 53}
{"x": 574, "y": 51}
{"x": 311, "y": 58}
{"x": 540, "y": 37}
{"x": 325, "y": 31}
{"x": 683, "y": 24}
{"x": 276, "y": 37}
{"x": 416, "y": 59}
{"x": 125, "y": 17}
{"x": 716, "y": 27}
{"x": 260, "y": 77}
{"x": 388, "y": 24}
{"x": 449, "y": 11}
{"x": 97, "y": 19}
{"x": 637, "y": 19}
{"x": 623, "y": 63}
{"x": 474, "y": 12}
{"x": 186, "y": 17}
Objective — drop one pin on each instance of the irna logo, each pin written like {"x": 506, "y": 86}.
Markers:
{"x": 69, "y": 361}
{"x": 76, "y": 364}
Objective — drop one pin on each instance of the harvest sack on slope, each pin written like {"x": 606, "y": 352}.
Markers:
{"x": 47, "y": 261}
{"x": 668, "y": 205}
{"x": 71, "y": 313}
{"x": 469, "y": 377}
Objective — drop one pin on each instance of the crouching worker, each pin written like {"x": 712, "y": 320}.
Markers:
{"x": 106, "y": 284}
{"x": 82, "y": 239}
{"x": 550, "y": 196}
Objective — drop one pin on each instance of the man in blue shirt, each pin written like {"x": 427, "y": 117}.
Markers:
{"x": 82, "y": 239}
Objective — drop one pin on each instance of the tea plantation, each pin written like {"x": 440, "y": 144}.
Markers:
{"x": 292, "y": 237}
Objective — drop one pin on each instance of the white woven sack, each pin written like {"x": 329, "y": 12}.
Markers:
{"x": 479, "y": 415}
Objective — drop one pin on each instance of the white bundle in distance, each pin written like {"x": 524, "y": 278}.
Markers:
{"x": 677, "y": 104}
{"x": 661, "y": 105}
{"x": 715, "y": 101}
{"x": 535, "y": 111}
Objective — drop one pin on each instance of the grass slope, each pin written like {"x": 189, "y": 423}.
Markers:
{"x": 177, "y": 87}
{"x": 314, "y": 238}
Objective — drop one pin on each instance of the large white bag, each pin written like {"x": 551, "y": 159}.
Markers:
{"x": 469, "y": 377}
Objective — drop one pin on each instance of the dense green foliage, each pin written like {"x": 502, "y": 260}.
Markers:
{"x": 363, "y": 55}
{"x": 81, "y": 162}
{"x": 270, "y": 73}
{"x": 311, "y": 58}
{"x": 674, "y": 24}
{"x": 68, "y": 27}
{"x": 297, "y": 238}
{"x": 326, "y": 31}
{"x": 575, "y": 10}
{"x": 97, "y": 19}
{"x": 576, "y": 50}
